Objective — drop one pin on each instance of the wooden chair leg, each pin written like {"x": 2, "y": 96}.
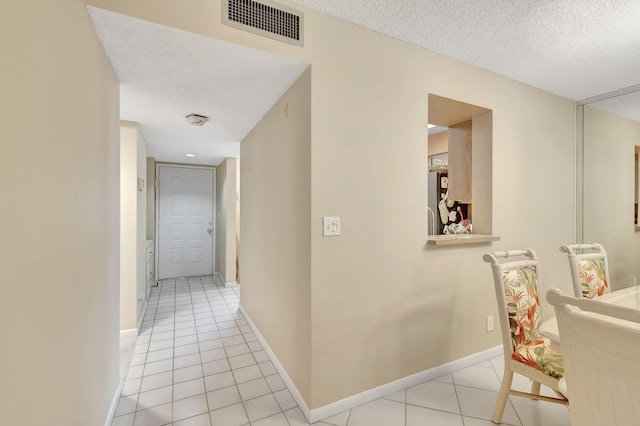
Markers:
{"x": 498, "y": 411}
{"x": 535, "y": 388}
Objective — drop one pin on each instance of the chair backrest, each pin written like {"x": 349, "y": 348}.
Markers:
{"x": 600, "y": 351}
{"x": 517, "y": 286}
{"x": 589, "y": 271}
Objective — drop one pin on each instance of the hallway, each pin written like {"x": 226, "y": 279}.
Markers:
{"x": 197, "y": 363}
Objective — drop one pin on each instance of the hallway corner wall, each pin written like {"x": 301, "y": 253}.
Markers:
{"x": 133, "y": 228}
{"x": 275, "y": 182}
{"x": 151, "y": 198}
{"x": 226, "y": 220}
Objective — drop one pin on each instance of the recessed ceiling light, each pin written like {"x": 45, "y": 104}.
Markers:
{"x": 429, "y": 126}
{"x": 189, "y": 155}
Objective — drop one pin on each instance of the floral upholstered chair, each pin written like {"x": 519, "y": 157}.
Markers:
{"x": 589, "y": 271}
{"x": 526, "y": 352}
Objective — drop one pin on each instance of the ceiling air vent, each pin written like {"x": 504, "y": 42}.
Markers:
{"x": 265, "y": 18}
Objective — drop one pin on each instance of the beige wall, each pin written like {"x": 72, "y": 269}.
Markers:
{"x": 151, "y": 199}
{"x": 238, "y": 220}
{"x": 128, "y": 223}
{"x": 133, "y": 229}
{"x": 609, "y": 173}
{"x": 141, "y": 226}
{"x": 438, "y": 143}
{"x": 226, "y": 220}
{"x": 391, "y": 304}
{"x": 59, "y": 217}
{"x": 275, "y": 227}
{"x": 221, "y": 218}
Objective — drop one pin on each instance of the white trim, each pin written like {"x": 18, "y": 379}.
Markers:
{"x": 114, "y": 403}
{"x": 400, "y": 384}
{"x": 353, "y": 401}
{"x": 276, "y": 363}
{"x": 226, "y": 284}
{"x": 130, "y": 331}
{"x": 142, "y": 314}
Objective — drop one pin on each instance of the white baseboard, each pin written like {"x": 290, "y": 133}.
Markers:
{"x": 400, "y": 384}
{"x": 114, "y": 403}
{"x": 276, "y": 363}
{"x": 353, "y": 401}
{"x": 226, "y": 284}
{"x": 129, "y": 332}
{"x": 142, "y": 314}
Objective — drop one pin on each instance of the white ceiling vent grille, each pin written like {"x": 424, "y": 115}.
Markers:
{"x": 265, "y": 18}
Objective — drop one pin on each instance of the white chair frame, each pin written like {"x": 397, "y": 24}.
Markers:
{"x": 602, "y": 372}
{"x": 598, "y": 252}
{"x": 510, "y": 365}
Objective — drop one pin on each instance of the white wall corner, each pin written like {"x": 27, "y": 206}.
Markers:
{"x": 142, "y": 315}
{"x": 114, "y": 401}
{"x": 353, "y": 401}
{"x": 283, "y": 373}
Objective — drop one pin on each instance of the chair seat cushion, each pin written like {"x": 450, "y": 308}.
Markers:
{"x": 539, "y": 355}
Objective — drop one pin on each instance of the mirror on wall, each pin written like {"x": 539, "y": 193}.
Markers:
{"x": 607, "y": 179}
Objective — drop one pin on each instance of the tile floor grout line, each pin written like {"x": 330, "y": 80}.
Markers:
{"x": 244, "y": 408}
{"x": 500, "y": 378}
{"x": 406, "y": 408}
{"x": 455, "y": 390}
{"x": 200, "y": 357}
{"x": 207, "y": 299}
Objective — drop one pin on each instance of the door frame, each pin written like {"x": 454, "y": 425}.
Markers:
{"x": 156, "y": 187}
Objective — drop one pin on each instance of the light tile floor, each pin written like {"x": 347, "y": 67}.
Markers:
{"x": 197, "y": 363}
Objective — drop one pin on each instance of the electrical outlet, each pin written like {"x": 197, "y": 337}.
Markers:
{"x": 490, "y": 323}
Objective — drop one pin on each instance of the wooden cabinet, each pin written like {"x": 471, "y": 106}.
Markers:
{"x": 460, "y": 162}
{"x": 151, "y": 263}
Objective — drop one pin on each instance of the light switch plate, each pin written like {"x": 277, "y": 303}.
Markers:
{"x": 330, "y": 226}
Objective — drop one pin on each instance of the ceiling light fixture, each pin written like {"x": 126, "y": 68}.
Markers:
{"x": 189, "y": 155}
{"x": 196, "y": 119}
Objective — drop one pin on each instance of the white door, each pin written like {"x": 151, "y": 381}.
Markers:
{"x": 185, "y": 222}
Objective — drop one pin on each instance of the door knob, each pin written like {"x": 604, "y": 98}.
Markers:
{"x": 210, "y": 231}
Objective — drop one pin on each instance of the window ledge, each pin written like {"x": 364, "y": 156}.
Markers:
{"x": 457, "y": 239}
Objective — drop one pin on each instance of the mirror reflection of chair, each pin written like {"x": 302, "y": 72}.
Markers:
{"x": 589, "y": 270}
{"x": 600, "y": 346}
{"x": 526, "y": 352}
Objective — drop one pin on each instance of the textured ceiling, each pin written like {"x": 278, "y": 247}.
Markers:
{"x": 166, "y": 74}
{"x": 577, "y": 49}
